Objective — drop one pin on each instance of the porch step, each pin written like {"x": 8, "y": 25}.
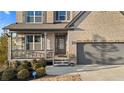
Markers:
{"x": 57, "y": 63}
{"x": 60, "y": 61}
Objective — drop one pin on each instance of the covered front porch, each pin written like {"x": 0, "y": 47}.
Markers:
{"x": 35, "y": 45}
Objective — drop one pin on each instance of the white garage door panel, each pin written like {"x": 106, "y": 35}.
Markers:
{"x": 102, "y": 54}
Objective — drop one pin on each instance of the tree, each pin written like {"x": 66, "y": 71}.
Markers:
{"x": 3, "y": 48}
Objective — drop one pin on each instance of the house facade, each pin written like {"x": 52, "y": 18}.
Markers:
{"x": 86, "y": 37}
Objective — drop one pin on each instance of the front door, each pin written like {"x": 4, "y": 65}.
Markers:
{"x": 60, "y": 44}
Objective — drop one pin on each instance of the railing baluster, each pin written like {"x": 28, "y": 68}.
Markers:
{"x": 30, "y": 54}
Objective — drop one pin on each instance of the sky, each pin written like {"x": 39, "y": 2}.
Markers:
{"x": 6, "y": 18}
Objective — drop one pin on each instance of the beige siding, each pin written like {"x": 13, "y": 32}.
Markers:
{"x": 107, "y": 26}
{"x": 19, "y": 16}
{"x": 19, "y": 41}
{"x": 98, "y": 27}
{"x": 50, "y": 17}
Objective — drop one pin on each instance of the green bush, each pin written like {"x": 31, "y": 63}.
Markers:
{"x": 3, "y": 68}
{"x": 23, "y": 74}
{"x": 18, "y": 62}
{"x": 27, "y": 63}
{"x": 36, "y": 66}
{"x": 6, "y": 62}
{"x": 8, "y": 74}
{"x": 41, "y": 71}
{"x": 14, "y": 65}
{"x": 3, "y": 48}
{"x": 22, "y": 66}
{"x": 33, "y": 62}
{"x": 22, "y": 70}
{"x": 42, "y": 62}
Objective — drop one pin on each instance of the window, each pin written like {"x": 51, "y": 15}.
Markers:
{"x": 30, "y": 39}
{"x": 37, "y": 39}
{"x": 62, "y": 16}
{"x": 34, "y": 16}
{"x": 29, "y": 42}
{"x": 33, "y": 42}
{"x": 30, "y": 16}
{"x": 37, "y": 43}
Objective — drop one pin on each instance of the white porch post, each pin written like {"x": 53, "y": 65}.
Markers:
{"x": 54, "y": 49}
{"x": 45, "y": 44}
{"x": 10, "y": 48}
{"x": 25, "y": 44}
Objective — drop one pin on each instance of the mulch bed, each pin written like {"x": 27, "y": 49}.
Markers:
{"x": 74, "y": 77}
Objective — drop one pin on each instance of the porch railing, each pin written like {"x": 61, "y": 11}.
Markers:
{"x": 31, "y": 54}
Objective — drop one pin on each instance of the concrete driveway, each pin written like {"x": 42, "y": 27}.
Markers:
{"x": 60, "y": 70}
{"x": 112, "y": 74}
{"x": 90, "y": 72}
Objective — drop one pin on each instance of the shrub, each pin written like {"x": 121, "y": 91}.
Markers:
{"x": 33, "y": 62}
{"x": 14, "y": 65}
{"x": 8, "y": 74}
{"x": 36, "y": 66}
{"x": 3, "y": 68}
{"x": 41, "y": 71}
{"x": 22, "y": 66}
{"x": 23, "y": 74}
{"x": 42, "y": 62}
{"x": 6, "y": 63}
{"x": 27, "y": 63}
{"x": 18, "y": 62}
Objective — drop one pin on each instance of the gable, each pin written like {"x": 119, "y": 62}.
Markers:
{"x": 107, "y": 25}
{"x": 102, "y": 20}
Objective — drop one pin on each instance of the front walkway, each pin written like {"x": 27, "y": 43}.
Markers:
{"x": 90, "y": 72}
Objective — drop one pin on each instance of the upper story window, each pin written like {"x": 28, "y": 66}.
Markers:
{"x": 34, "y": 16}
{"x": 62, "y": 16}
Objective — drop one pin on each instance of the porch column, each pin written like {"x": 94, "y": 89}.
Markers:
{"x": 45, "y": 44}
{"x": 9, "y": 46}
{"x": 67, "y": 45}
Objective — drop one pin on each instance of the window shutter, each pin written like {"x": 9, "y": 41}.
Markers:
{"x": 44, "y": 16}
{"x": 24, "y": 17}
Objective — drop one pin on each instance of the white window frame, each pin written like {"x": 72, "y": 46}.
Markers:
{"x": 34, "y": 16}
{"x": 61, "y": 20}
{"x": 34, "y": 41}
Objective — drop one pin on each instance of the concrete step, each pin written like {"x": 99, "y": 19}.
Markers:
{"x": 61, "y": 61}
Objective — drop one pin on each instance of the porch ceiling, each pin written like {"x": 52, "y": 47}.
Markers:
{"x": 34, "y": 27}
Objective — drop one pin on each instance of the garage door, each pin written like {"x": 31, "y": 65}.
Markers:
{"x": 100, "y": 53}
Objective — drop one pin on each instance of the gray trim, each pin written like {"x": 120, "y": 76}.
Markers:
{"x": 40, "y": 29}
{"x": 24, "y": 26}
{"x": 77, "y": 19}
{"x": 39, "y": 32}
{"x": 81, "y": 18}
